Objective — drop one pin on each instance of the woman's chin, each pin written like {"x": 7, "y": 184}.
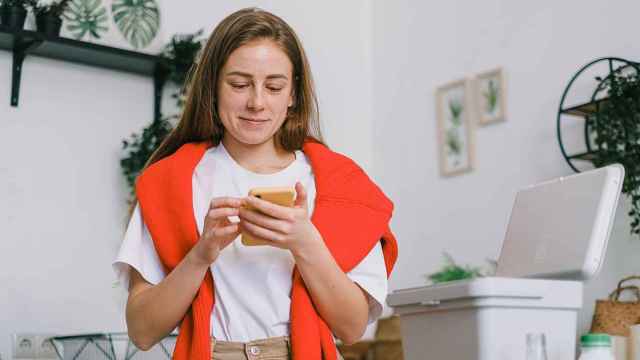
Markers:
{"x": 253, "y": 138}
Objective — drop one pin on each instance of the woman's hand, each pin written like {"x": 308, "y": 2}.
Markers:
{"x": 218, "y": 231}
{"x": 280, "y": 226}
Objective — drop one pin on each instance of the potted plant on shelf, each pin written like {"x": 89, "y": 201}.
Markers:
{"x": 181, "y": 54}
{"x": 615, "y": 128}
{"x": 48, "y": 15}
{"x": 13, "y": 13}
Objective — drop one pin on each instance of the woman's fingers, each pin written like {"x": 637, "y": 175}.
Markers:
{"x": 225, "y": 231}
{"x": 271, "y": 209}
{"x": 265, "y": 221}
{"x": 225, "y": 202}
{"x": 261, "y": 233}
{"x": 220, "y": 209}
{"x": 301, "y": 195}
{"x": 222, "y": 213}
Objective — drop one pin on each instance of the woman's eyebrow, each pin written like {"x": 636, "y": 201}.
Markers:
{"x": 247, "y": 75}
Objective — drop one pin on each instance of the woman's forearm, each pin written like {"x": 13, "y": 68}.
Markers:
{"x": 340, "y": 302}
{"x": 154, "y": 311}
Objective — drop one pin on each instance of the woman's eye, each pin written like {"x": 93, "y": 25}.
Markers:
{"x": 239, "y": 86}
{"x": 275, "y": 89}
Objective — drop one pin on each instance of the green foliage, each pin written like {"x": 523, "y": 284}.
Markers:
{"x": 137, "y": 20}
{"x": 451, "y": 271}
{"x": 456, "y": 110}
{"x": 615, "y": 128}
{"x": 453, "y": 141}
{"x": 180, "y": 54}
{"x": 491, "y": 96}
{"x": 86, "y": 18}
{"x": 138, "y": 149}
{"x": 12, "y": 3}
{"x": 56, "y": 8}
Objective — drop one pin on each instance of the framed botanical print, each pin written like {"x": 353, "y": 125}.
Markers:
{"x": 490, "y": 97}
{"x": 455, "y": 130}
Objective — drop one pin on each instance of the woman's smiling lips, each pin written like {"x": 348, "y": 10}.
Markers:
{"x": 253, "y": 122}
{"x": 253, "y": 119}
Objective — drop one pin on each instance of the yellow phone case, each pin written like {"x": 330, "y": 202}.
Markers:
{"x": 283, "y": 196}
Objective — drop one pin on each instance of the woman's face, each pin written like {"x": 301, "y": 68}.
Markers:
{"x": 254, "y": 92}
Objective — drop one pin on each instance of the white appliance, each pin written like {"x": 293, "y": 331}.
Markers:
{"x": 557, "y": 236}
{"x": 559, "y": 228}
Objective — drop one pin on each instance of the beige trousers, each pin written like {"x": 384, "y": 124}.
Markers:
{"x": 276, "y": 348}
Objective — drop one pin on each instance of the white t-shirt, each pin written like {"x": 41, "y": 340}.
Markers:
{"x": 252, "y": 284}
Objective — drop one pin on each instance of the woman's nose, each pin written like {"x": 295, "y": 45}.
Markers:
{"x": 256, "y": 99}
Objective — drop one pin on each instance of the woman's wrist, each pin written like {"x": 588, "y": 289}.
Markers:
{"x": 310, "y": 249}
{"x": 195, "y": 260}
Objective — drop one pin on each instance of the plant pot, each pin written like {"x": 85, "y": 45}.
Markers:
{"x": 13, "y": 17}
{"x": 48, "y": 24}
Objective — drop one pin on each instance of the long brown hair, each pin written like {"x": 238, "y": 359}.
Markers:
{"x": 200, "y": 121}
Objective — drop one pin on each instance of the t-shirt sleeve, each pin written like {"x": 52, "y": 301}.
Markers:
{"x": 371, "y": 275}
{"x": 137, "y": 251}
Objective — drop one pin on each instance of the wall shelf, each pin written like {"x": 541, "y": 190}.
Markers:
{"x": 585, "y": 110}
{"x": 23, "y": 43}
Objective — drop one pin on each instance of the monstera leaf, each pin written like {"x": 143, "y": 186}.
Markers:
{"x": 86, "y": 18}
{"x": 137, "y": 20}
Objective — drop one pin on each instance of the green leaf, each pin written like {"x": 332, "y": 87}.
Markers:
{"x": 137, "y": 20}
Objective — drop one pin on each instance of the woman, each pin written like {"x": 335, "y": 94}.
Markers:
{"x": 250, "y": 120}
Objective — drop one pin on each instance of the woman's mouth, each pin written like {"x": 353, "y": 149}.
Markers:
{"x": 254, "y": 120}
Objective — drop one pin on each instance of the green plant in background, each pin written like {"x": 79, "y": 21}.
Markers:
{"x": 491, "y": 96}
{"x": 12, "y": 3}
{"x": 181, "y": 54}
{"x": 139, "y": 147}
{"x": 451, "y": 271}
{"x": 615, "y": 128}
{"x": 455, "y": 107}
{"x": 86, "y": 17}
{"x": 137, "y": 20}
{"x": 452, "y": 135}
{"x": 453, "y": 142}
{"x": 51, "y": 7}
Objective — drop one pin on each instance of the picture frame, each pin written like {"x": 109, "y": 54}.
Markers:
{"x": 490, "y": 97}
{"x": 456, "y": 144}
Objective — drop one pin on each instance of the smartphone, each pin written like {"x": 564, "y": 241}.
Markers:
{"x": 283, "y": 196}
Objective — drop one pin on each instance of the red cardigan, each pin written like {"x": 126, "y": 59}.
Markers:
{"x": 351, "y": 213}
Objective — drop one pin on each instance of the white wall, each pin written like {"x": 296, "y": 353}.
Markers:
{"x": 418, "y": 46}
{"x": 62, "y": 194}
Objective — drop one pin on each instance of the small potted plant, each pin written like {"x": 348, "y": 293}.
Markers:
{"x": 13, "y": 13}
{"x": 48, "y": 15}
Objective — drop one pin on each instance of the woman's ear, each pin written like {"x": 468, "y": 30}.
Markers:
{"x": 291, "y": 99}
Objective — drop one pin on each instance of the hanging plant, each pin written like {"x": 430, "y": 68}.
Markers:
{"x": 139, "y": 147}
{"x": 180, "y": 54}
{"x": 615, "y": 128}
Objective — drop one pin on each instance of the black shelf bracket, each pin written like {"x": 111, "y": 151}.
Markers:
{"x": 20, "y": 50}
{"x": 160, "y": 75}
{"x": 26, "y": 42}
